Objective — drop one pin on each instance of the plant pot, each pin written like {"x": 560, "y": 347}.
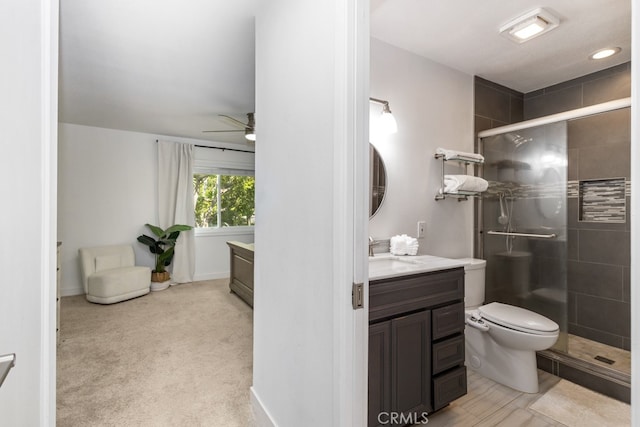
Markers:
{"x": 159, "y": 286}
{"x": 160, "y": 277}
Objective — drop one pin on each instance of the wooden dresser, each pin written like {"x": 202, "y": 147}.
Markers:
{"x": 241, "y": 274}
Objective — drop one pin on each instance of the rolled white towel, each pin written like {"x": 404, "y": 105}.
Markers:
{"x": 452, "y": 154}
{"x": 456, "y": 183}
{"x": 403, "y": 245}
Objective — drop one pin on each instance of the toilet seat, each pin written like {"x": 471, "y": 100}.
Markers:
{"x": 518, "y": 319}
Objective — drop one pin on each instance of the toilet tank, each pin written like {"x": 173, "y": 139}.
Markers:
{"x": 473, "y": 282}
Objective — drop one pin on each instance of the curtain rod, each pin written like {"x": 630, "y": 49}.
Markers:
{"x": 222, "y": 148}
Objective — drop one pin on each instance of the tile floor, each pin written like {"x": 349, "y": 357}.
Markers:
{"x": 585, "y": 349}
{"x": 488, "y": 403}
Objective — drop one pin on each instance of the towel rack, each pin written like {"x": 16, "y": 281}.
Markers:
{"x": 532, "y": 235}
{"x": 463, "y": 160}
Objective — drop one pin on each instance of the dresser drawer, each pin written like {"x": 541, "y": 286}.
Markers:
{"x": 448, "y": 353}
{"x": 448, "y": 387}
{"x": 447, "y": 321}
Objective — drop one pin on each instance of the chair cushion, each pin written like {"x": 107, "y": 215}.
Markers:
{"x": 108, "y": 262}
{"x": 118, "y": 281}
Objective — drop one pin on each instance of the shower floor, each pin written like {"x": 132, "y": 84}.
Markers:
{"x": 587, "y": 350}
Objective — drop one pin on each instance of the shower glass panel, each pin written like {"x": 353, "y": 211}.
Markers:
{"x": 524, "y": 221}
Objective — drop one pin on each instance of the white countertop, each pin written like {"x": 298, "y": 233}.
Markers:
{"x": 384, "y": 266}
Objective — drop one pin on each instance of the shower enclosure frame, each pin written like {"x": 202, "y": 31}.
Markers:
{"x": 553, "y": 118}
{"x": 554, "y": 359}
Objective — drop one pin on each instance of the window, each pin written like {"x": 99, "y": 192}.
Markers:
{"x": 224, "y": 189}
{"x": 224, "y": 200}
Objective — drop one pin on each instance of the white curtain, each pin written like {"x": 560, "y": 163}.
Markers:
{"x": 175, "y": 203}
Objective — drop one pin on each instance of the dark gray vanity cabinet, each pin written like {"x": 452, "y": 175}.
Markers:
{"x": 416, "y": 344}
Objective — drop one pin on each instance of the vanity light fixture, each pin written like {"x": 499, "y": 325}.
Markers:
{"x": 386, "y": 123}
{"x": 530, "y": 25}
{"x": 604, "y": 53}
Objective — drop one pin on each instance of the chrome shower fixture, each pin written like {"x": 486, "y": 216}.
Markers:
{"x": 503, "y": 218}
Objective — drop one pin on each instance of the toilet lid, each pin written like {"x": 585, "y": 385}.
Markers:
{"x": 517, "y": 318}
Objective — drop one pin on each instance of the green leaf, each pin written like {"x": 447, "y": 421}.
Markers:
{"x": 166, "y": 257}
{"x": 178, "y": 228}
{"x": 146, "y": 240}
{"x": 156, "y": 230}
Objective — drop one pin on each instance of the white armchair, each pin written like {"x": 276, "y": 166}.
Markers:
{"x": 109, "y": 274}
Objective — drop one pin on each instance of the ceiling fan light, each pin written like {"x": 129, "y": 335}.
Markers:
{"x": 250, "y": 134}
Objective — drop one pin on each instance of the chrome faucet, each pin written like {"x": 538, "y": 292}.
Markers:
{"x": 372, "y": 243}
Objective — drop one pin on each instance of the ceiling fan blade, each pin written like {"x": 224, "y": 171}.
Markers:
{"x": 238, "y": 122}
{"x": 234, "y": 130}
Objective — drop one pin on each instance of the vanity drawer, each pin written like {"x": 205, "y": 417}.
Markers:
{"x": 448, "y": 387}
{"x": 398, "y": 295}
{"x": 447, "y": 320}
{"x": 448, "y": 353}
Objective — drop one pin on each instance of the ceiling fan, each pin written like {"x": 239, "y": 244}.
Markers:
{"x": 248, "y": 128}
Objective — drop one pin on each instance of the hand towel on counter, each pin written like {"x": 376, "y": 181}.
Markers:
{"x": 456, "y": 183}
{"x": 450, "y": 154}
{"x": 403, "y": 245}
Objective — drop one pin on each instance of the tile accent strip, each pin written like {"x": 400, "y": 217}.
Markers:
{"x": 602, "y": 200}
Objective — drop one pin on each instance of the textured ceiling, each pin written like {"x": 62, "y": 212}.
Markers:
{"x": 157, "y": 66}
{"x": 169, "y": 67}
{"x": 463, "y": 34}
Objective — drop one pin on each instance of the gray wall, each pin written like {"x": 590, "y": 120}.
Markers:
{"x": 598, "y": 148}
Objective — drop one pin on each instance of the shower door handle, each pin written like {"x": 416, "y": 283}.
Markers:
{"x": 532, "y": 235}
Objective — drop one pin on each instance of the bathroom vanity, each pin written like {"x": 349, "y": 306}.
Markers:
{"x": 416, "y": 336}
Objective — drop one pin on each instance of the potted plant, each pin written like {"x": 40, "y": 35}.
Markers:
{"x": 163, "y": 248}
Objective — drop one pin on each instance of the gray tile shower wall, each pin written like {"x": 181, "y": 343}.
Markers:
{"x": 598, "y": 149}
{"x": 599, "y": 251}
{"x": 606, "y": 85}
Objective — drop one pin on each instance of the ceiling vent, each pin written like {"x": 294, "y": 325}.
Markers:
{"x": 530, "y": 25}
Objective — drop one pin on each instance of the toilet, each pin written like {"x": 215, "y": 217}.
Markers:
{"x": 501, "y": 340}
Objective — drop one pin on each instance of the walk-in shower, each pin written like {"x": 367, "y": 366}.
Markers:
{"x": 554, "y": 229}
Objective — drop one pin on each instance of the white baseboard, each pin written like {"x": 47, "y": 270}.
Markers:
{"x": 260, "y": 413}
{"x": 211, "y": 276}
{"x": 69, "y": 292}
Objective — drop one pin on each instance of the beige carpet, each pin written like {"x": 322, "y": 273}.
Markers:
{"x": 178, "y": 357}
{"x": 573, "y": 405}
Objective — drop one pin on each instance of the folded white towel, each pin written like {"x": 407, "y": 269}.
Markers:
{"x": 453, "y": 154}
{"x": 457, "y": 183}
{"x": 403, "y": 245}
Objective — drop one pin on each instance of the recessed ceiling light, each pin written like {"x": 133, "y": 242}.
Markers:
{"x": 604, "y": 53}
{"x": 531, "y": 24}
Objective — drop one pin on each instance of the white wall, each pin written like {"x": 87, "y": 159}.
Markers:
{"x": 306, "y": 334}
{"x": 108, "y": 191}
{"x": 28, "y": 187}
{"x": 433, "y": 105}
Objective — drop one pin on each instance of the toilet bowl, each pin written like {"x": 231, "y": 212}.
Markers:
{"x": 501, "y": 340}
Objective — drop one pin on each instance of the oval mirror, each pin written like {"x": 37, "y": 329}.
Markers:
{"x": 377, "y": 180}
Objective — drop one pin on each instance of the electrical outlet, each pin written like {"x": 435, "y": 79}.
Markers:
{"x": 422, "y": 225}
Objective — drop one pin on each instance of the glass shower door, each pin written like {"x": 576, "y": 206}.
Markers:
{"x": 524, "y": 221}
